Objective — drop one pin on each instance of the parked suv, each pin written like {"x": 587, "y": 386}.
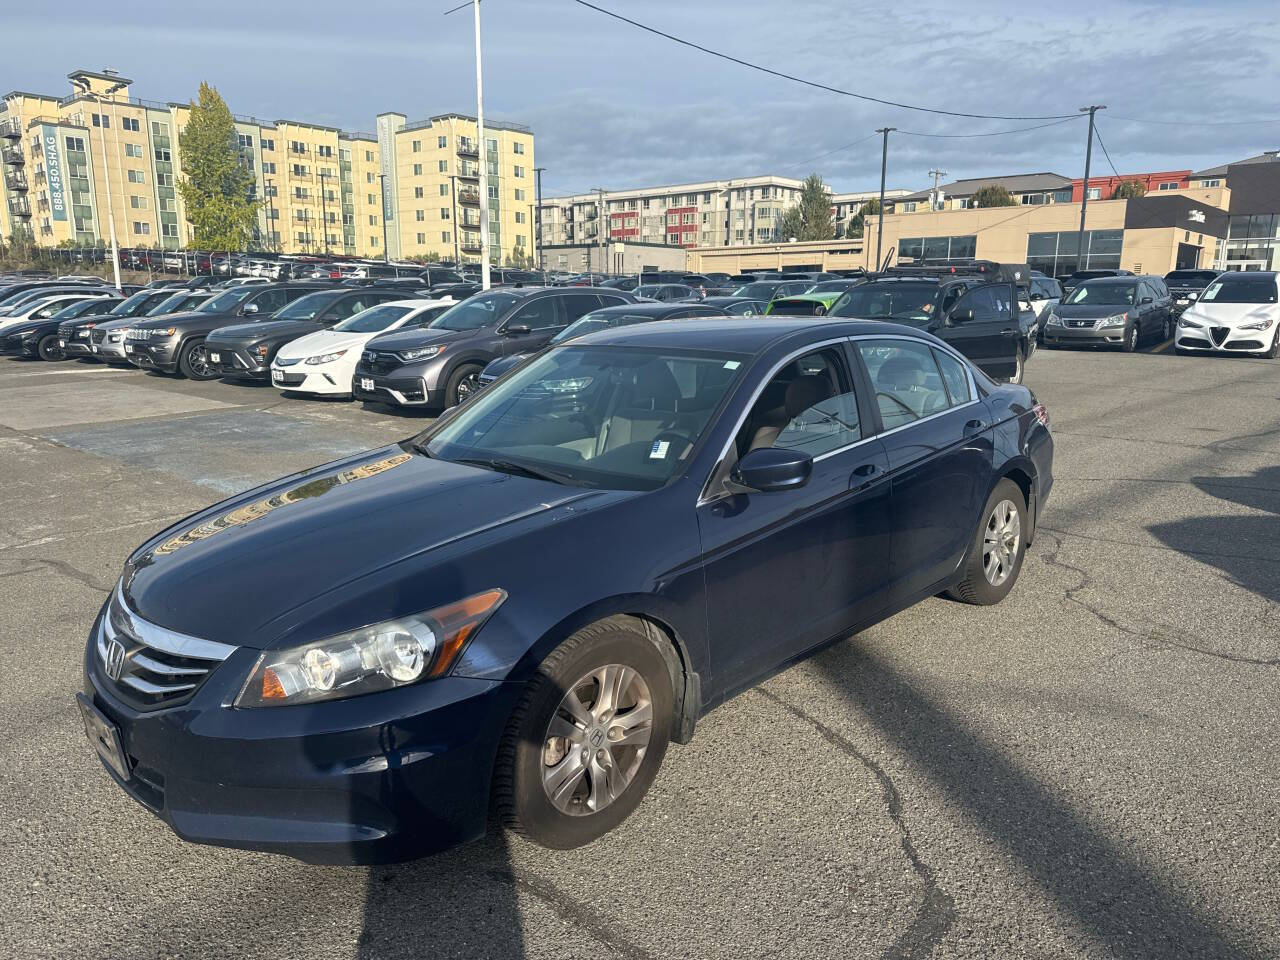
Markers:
{"x": 1185, "y": 286}
{"x": 1112, "y": 311}
{"x": 75, "y": 335}
{"x": 244, "y": 351}
{"x": 175, "y": 343}
{"x": 440, "y": 366}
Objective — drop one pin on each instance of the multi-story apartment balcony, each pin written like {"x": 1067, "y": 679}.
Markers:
{"x": 15, "y": 178}
{"x": 12, "y": 154}
{"x": 468, "y": 147}
{"x": 19, "y": 207}
{"x": 469, "y": 197}
{"x": 470, "y": 219}
{"x": 468, "y": 171}
{"x": 470, "y": 243}
{"x": 11, "y": 127}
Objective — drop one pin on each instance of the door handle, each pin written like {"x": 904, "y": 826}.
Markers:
{"x": 1008, "y": 332}
{"x": 862, "y": 476}
{"x": 974, "y": 426}
{"x": 866, "y": 470}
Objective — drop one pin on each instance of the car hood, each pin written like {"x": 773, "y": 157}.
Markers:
{"x": 1230, "y": 314}
{"x": 252, "y": 569}
{"x": 263, "y": 330}
{"x": 498, "y": 367}
{"x": 323, "y": 341}
{"x": 118, "y": 323}
{"x": 1091, "y": 309}
{"x": 409, "y": 339}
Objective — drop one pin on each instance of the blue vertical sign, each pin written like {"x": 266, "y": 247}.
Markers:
{"x": 53, "y": 171}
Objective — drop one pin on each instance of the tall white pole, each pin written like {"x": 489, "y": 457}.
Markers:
{"x": 484, "y": 160}
{"x": 106, "y": 176}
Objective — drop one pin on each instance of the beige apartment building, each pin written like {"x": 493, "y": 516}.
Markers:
{"x": 68, "y": 163}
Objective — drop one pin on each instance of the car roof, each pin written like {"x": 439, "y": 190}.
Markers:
{"x": 1231, "y": 274}
{"x": 646, "y": 308}
{"x": 1113, "y": 281}
{"x": 746, "y": 335}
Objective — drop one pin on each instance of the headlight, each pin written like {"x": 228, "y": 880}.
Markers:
{"x": 260, "y": 351}
{"x": 163, "y": 334}
{"x": 1053, "y": 321}
{"x": 1116, "y": 321}
{"x": 378, "y": 657}
{"x": 1264, "y": 324}
{"x": 1185, "y": 321}
{"x": 324, "y": 358}
{"x": 422, "y": 353}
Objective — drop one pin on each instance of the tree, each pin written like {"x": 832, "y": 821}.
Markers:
{"x": 994, "y": 196}
{"x": 790, "y": 224}
{"x": 1129, "y": 190}
{"x": 815, "y": 210}
{"x": 858, "y": 222}
{"x": 216, "y": 183}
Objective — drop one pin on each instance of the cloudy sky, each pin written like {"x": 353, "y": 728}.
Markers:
{"x": 615, "y": 107}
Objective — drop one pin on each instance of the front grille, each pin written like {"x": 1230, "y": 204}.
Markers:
{"x": 97, "y": 335}
{"x": 1219, "y": 334}
{"x": 152, "y": 667}
{"x": 1194, "y": 342}
{"x": 135, "y": 333}
{"x": 65, "y": 330}
{"x": 380, "y": 361}
{"x": 1245, "y": 345}
{"x": 289, "y": 379}
{"x": 1080, "y": 323}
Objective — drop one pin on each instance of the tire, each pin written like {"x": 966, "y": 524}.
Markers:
{"x": 1169, "y": 329}
{"x": 975, "y": 585}
{"x": 462, "y": 384}
{"x": 193, "y": 362}
{"x": 533, "y": 762}
{"x": 47, "y": 348}
{"x": 1132, "y": 336}
{"x": 1274, "y": 352}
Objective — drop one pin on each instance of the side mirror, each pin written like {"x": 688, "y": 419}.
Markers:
{"x": 1193, "y": 296}
{"x": 769, "y": 469}
{"x": 963, "y": 315}
{"x": 1146, "y": 300}
{"x": 515, "y": 330}
{"x": 250, "y": 308}
{"x": 1036, "y": 297}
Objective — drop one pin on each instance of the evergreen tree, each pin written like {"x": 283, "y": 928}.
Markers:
{"x": 216, "y": 181}
{"x": 1129, "y": 190}
{"x": 815, "y": 210}
{"x": 790, "y": 224}
{"x": 994, "y": 196}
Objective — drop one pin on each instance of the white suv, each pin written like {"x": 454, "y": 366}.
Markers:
{"x": 1238, "y": 312}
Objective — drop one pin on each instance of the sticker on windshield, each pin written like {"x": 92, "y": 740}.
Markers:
{"x": 1212, "y": 292}
{"x": 659, "y": 450}
{"x": 732, "y": 364}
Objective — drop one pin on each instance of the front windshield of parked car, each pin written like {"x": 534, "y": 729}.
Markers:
{"x": 475, "y": 312}
{"x": 1240, "y": 290}
{"x": 170, "y": 304}
{"x": 126, "y": 307}
{"x": 625, "y": 418}
{"x": 1102, "y": 294}
{"x": 893, "y": 300}
{"x": 757, "y": 291}
{"x": 75, "y": 309}
{"x": 651, "y": 290}
{"x": 227, "y": 300}
{"x": 308, "y": 307}
{"x": 376, "y": 318}
{"x": 599, "y": 321}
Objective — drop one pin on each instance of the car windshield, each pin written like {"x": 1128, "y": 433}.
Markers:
{"x": 624, "y": 418}
{"x": 479, "y": 311}
{"x": 1103, "y": 294}
{"x": 126, "y": 307}
{"x": 75, "y": 309}
{"x": 170, "y": 304}
{"x": 227, "y": 300}
{"x": 760, "y": 290}
{"x": 828, "y": 286}
{"x": 894, "y": 300}
{"x": 599, "y": 321}
{"x": 1240, "y": 289}
{"x": 308, "y": 307}
{"x": 376, "y": 318}
{"x": 649, "y": 289}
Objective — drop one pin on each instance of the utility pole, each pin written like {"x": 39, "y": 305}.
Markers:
{"x": 106, "y": 176}
{"x": 382, "y": 187}
{"x": 937, "y": 175}
{"x": 537, "y": 226}
{"x": 268, "y": 189}
{"x": 453, "y": 192}
{"x": 1081, "y": 259}
{"x": 324, "y": 212}
{"x": 604, "y": 233}
{"x": 884, "y": 163}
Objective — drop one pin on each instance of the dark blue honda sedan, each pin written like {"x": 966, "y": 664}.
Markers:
{"x": 521, "y": 607}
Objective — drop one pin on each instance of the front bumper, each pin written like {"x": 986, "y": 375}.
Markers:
{"x": 16, "y": 345}
{"x": 112, "y": 350}
{"x": 401, "y": 390}
{"x": 75, "y": 345}
{"x": 152, "y": 356}
{"x": 1084, "y": 336}
{"x": 319, "y": 379}
{"x": 1224, "y": 339}
{"x": 236, "y": 363}
{"x": 380, "y": 778}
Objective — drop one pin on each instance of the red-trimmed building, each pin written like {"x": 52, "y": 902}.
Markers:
{"x": 1101, "y": 188}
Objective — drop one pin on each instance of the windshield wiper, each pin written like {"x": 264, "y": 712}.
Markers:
{"x": 510, "y": 466}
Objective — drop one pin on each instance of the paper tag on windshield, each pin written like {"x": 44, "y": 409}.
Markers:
{"x": 659, "y": 450}
{"x": 731, "y": 364}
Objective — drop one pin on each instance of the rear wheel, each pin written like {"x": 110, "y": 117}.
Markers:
{"x": 995, "y": 556}
{"x": 194, "y": 362}
{"x": 462, "y": 385}
{"x": 48, "y": 348}
{"x": 586, "y": 741}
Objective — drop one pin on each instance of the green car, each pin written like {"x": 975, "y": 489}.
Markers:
{"x": 805, "y": 304}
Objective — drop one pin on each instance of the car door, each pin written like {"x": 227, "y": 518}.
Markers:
{"x": 938, "y": 440}
{"x": 789, "y": 569}
{"x": 982, "y": 326}
{"x": 542, "y": 315}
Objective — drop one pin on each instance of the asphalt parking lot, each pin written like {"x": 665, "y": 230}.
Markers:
{"x": 1087, "y": 770}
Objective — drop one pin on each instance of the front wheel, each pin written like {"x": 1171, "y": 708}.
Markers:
{"x": 48, "y": 348}
{"x": 995, "y": 556}
{"x": 1170, "y": 325}
{"x": 1274, "y": 352}
{"x": 194, "y": 362}
{"x": 586, "y": 741}
{"x": 1131, "y": 336}
{"x": 463, "y": 384}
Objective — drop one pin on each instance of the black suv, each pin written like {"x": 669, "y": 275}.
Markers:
{"x": 439, "y": 366}
{"x": 977, "y": 308}
{"x": 245, "y": 351}
{"x": 1185, "y": 287}
{"x": 175, "y": 343}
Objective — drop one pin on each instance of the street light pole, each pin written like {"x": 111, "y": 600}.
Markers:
{"x": 537, "y": 225}
{"x": 453, "y": 195}
{"x": 268, "y": 188}
{"x": 106, "y": 177}
{"x": 324, "y": 212}
{"x": 484, "y": 154}
{"x": 382, "y": 188}
{"x": 1081, "y": 259}
{"x": 884, "y": 163}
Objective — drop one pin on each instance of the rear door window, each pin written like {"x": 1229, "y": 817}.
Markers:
{"x": 906, "y": 380}
{"x": 955, "y": 376}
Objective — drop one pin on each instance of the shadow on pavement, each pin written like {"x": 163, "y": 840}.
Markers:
{"x": 1099, "y": 880}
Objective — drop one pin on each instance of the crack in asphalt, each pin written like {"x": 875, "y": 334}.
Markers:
{"x": 572, "y": 912}
{"x": 937, "y": 910}
{"x": 1155, "y": 546}
{"x": 1162, "y": 640}
{"x": 59, "y": 566}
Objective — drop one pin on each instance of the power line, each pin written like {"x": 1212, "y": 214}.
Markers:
{"x": 808, "y": 83}
{"x": 821, "y": 156}
{"x": 1199, "y": 123}
{"x": 996, "y": 133}
{"x": 1098, "y": 133}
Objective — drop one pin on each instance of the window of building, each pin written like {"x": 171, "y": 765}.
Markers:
{"x": 137, "y": 176}
{"x": 133, "y": 150}
{"x": 517, "y": 147}
{"x": 422, "y": 238}
{"x": 297, "y": 146}
{"x": 164, "y": 179}
{"x": 520, "y": 194}
{"x": 373, "y": 221}
{"x": 442, "y": 142}
{"x": 909, "y": 207}
{"x": 159, "y": 129}
{"x": 324, "y": 150}
{"x": 493, "y": 193}
{"x": 417, "y": 193}
{"x": 491, "y": 145}
{"x": 102, "y": 121}
{"x": 169, "y": 229}
{"x": 299, "y": 170}
{"x": 444, "y": 189}
{"x": 1214, "y": 182}
{"x": 417, "y": 169}
{"x": 131, "y": 124}
{"x": 369, "y": 178}
{"x": 938, "y": 249}
{"x": 519, "y": 217}
{"x": 141, "y": 228}
{"x": 244, "y": 140}
{"x": 1168, "y": 186}
{"x": 416, "y": 146}
{"x": 1095, "y": 193}
{"x": 75, "y": 143}
{"x": 267, "y": 143}
{"x": 519, "y": 170}
{"x": 442, "y": 166}
{"x": 268, "y": 166}
{"x": 444, "y": 213}
{"x": 138, "y": 203}
{"x": 446, "y": 236}
{"x": 1056, "y": 254}
{"x": 419, "y": 215}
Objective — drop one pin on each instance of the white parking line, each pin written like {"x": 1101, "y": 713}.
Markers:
{"x": 54, "y": 373}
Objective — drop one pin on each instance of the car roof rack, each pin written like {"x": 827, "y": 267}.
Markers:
{"x": 1016, "y": 273}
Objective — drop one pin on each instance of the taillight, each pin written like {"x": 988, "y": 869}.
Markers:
{"x": 1041, "y": 414}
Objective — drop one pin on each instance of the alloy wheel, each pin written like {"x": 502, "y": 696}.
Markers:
{"x": 596, "y": 740}
{"x": 1000, "y": 542}
{"x": 199, "y": 360}
{"x": 1168, "y": 328}
{"x": 1133, "y": 337}
{"x": 467, "y": 386}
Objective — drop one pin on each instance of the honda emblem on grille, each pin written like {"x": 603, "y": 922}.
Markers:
{"x": 114, "y": 662}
